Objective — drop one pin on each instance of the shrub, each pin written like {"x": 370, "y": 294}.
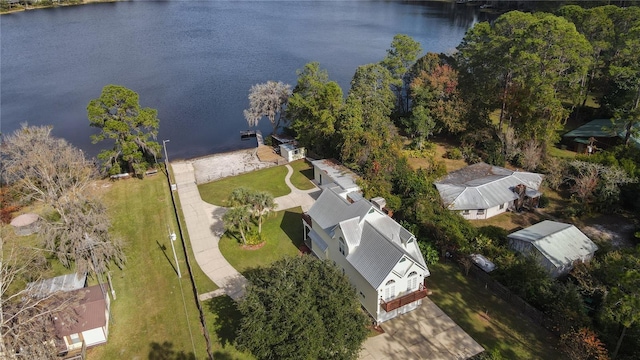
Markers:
{"x": 429, "y": 252}
{"x": 453, "y": 154}
{"x": 543, "y": 202}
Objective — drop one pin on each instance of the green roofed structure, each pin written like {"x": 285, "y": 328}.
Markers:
{"x": 604, "y": 133}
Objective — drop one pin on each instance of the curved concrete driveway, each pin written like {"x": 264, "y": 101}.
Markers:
{"x": 205, "y": 227}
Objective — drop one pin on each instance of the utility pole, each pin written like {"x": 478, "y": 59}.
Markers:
{"x": 166, "y": 157}
{"x": 172, "y": 238}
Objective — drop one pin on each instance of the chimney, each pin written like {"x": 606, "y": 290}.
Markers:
{"x": 379, "y": 202}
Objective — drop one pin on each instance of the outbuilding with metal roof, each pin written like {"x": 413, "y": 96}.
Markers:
{"x": 556, "y": 245}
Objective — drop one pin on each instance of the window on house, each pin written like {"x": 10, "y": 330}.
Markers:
{"x": 501, "y": 206}
{"x": 403, "y": 259}
{"x": 481, "y": 212}
{"x": 412, "y": 281}
{"x": 390, "y": 290}
{"x": 361, "y": 294}
{"x": 342, "y": 247}
{"x": 465, "y": 212}
{"x": 75, "y": 339}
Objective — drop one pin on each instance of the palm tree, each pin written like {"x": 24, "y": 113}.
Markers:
{"x": 237, "y": 218}
{"x": 240, "y": 197}
{"x": 262, "y": 203}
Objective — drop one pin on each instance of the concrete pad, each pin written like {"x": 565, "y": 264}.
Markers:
{"x": 425, "y": 333}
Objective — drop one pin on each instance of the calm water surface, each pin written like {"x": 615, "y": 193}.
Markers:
{"x": 195, "y": 61}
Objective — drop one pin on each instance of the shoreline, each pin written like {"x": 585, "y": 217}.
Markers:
{"x": 221, "y": 165}
{"x": 21, "y": 8}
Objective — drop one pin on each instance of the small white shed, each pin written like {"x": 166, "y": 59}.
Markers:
{"x": 292, "y": 152}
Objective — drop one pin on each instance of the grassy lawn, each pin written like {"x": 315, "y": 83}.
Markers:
{"x": 561, "y": 153}
{"x": 283, "y": 231}
{"x": 302, "y": 175}
{"x": 269, "y": 179}
{"x": 510, "y": 221}
{"x": 493, "y": 323}
{"x": 155, "y": 312}
{"x": 442, "y": 145}
{"x": 283, "y": 234}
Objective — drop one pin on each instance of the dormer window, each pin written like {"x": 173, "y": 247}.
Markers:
{"x": 342, "y": 247}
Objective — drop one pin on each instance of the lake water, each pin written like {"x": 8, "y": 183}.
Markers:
{"x": 194, "y": 61}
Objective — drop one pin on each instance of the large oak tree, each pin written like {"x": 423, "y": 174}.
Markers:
{"x": 526, "y": 65}
{"x": 133, "y": 129}
{"x": 301, "y": 308}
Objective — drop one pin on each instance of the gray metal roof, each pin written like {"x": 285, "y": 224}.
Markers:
{"x": 376, "y": 241}
{"x": 340, "y": 175}
{"x": 483, "y": 186}
{"x": 331, "y": 208}
{"x": 559, "y": 242}
{"x": 352, "y": 231}
{"x": 68, "y": 282}
{"x": 375, "y": 257}
{"x": 317, "y": 239}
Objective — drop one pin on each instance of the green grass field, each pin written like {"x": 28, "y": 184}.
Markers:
{"x": 155, "y": 313}
{"x": 493, "y": 323}
{"x": 302, "y": 175}
{"x": 269, "y": 179}
{"x": 283, "y": 234}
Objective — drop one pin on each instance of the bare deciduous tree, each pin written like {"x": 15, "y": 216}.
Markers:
{"x": 27, "y": 329}
{"x": 268, "y": 99}
{"x": 531, "y": 155}
{"x": 510, "y": 143}
{"x": 43, "y": 167}
{"x": 52, "y": 171}
{"x": 82, "y": 237}
{"x": 554, "y": 170}
{"x": 590, "y": 180}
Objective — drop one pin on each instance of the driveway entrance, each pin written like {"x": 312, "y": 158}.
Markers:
{"x": 425, "y": 333}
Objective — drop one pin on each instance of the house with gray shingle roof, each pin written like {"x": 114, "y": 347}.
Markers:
{"x": 379, "y": 256}
{"x": 556, "y": 245}
{"x": 480, "y": 191}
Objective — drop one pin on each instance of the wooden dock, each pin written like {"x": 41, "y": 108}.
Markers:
{"x": 247, "y": 134}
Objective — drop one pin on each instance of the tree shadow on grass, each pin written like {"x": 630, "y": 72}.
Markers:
{"x": 228, "y": 318}
{"x": 292, "y": 226}
{"x": 165, "y": 351}
{"x": 218, "y": 355}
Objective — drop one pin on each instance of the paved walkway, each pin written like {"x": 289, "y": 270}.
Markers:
{"x": 205, "y": 227}
{"x": 297, "y": 197}
{"x": 425, "y": 333}
{"x": 204, "y": 224}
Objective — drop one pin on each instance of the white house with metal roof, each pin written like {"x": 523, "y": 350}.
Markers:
{"x": 556, "y": 245}
{"x": 330, "y": 173}
{"x": 480, "y": 191}
{"x": 380, "y": 257}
